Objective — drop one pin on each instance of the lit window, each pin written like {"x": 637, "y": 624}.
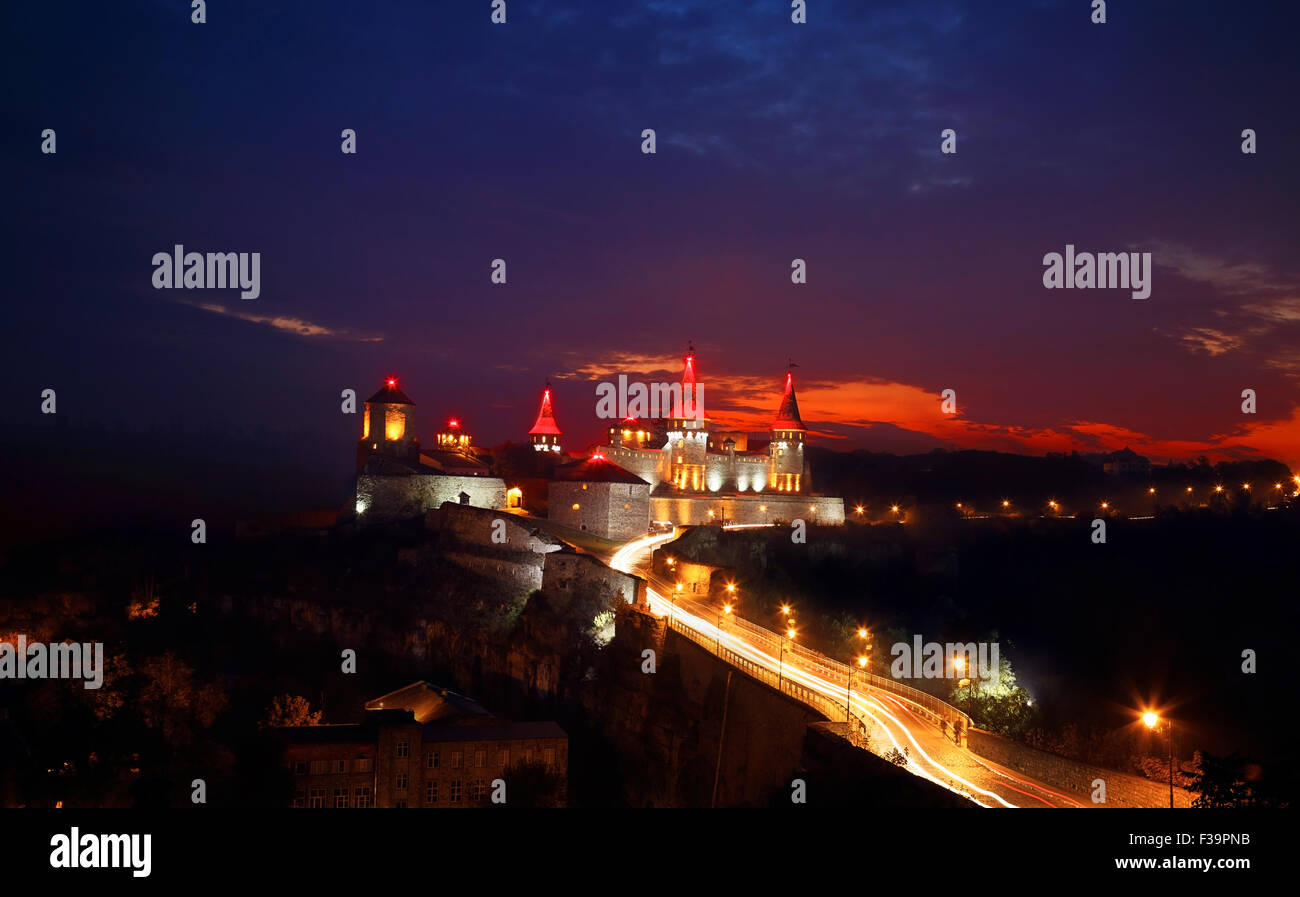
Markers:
{"x": 575, "y": 506}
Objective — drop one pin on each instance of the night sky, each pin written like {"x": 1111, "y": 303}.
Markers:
{"x": 775, "y": 141}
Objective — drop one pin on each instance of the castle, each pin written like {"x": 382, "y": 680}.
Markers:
{"x": 672, "y": 470}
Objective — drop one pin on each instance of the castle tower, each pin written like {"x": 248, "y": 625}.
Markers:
{"x": 388, "y": 425}
{"x": 785, "y": 450}
{"x": 545, "y": 434}
{"x": 688, "y": 431}
{"x": 452, "y": 437}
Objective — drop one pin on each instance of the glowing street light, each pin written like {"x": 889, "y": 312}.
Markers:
{"x": 1152, "y": 720}
{"x": 780, "y": 676}
{"x": 848, "y": 692}
{"x": 894, "y": 509}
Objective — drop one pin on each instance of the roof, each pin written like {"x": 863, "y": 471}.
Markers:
{"x": 429, "y": 702}
{"x": 596, "y": 469}
{"x": 546, "y": 424}
{"x": 390, "y": 395}
{"x": 787, "y": 416}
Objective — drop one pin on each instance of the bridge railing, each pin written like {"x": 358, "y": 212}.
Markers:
{"x": 939, "y": 711}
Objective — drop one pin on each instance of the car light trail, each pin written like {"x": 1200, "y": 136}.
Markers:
{"x": 793, "y": 672}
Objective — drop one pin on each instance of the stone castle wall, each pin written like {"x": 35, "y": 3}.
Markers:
{"x": 568, "y": 572}
{"x": 399, "y": 497}
{"x": 618, "y": 511}
{"x": 689, "y": 510}
{"x": 1074, "y": 776}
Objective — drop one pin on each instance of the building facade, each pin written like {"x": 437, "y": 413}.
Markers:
{"x": 423, "y": 746}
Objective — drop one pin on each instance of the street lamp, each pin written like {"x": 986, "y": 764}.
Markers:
{"x": 672, "y": 610}
{"x": 848, "y": 692}
{"x": 726, "y": 610}
{"x": 1152, "y": 721}
{"x": 780, "y": 678}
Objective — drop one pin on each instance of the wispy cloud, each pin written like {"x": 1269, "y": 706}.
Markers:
{"x": 285, "y": 323}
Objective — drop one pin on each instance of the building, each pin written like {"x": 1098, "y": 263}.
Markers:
{"x": 425, "y": 746}
{"x": 398, "y": 479}
{"x": 1126, "y": 462}
{"x": 545, "y": 434}
{"x": 698, "y": 476}
{"x": 597, "y": 496}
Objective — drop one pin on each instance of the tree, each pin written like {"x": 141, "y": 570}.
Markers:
{"x": 1223, "y": 782}
{"x": 173, "y": 703}
{"x": 290, "y": 710}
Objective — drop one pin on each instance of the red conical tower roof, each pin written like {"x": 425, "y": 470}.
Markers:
{"x": 787, "y": 416}
{"x": 546, "y": 425}
{"x": 694, "y": 397}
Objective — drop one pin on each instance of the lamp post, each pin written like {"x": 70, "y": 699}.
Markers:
{"x": 780, "y": 678}
{"x": 1152, "y": 721}
{"x": 726, "y": 609}
{"x": 672, "y": 610}
{"x": 848, "y": 694}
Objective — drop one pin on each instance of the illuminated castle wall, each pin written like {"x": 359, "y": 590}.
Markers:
{"x": 686, "y": 462}
{"x": 693, "y": 482}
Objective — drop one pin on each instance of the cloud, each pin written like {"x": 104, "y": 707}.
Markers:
{"x": 285, "y": 323}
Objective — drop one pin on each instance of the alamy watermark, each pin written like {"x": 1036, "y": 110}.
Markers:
{"x": 621, "y": 400}
{"x": 57, "y": 660}
{"x": 1098, "y": 271}
{"x": 955, "y": 660}
{"x": 181, "y": 270}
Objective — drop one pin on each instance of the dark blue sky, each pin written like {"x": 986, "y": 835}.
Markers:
{"x": 776, "y": 141}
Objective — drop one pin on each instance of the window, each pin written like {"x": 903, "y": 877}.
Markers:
{"x": 431, "y": 760}
{"x": 480, "y": 758}
{"x": 300, "y": 767}
{"x": 362, "y": 797}
{"x": 431, "y": 792}
{"x": 403, "y": 749}
{"x": 299, "y": 800}
{"x": 548, "y": 757}
{"x": 340, "y": 798}
{"x": 364, "y": 764}
{"x": 504, "y": 759}
{"x": 479, "y": 790}
{"x": 455, "y": 759}
{"x": 319, "y": 767}
{"x": 399, "y": 804}
{"x": 402, "y": 779}
{"x": 317, "y": 798}
{"x": 340, "y": 766}
{"x": 455, "y": 791}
